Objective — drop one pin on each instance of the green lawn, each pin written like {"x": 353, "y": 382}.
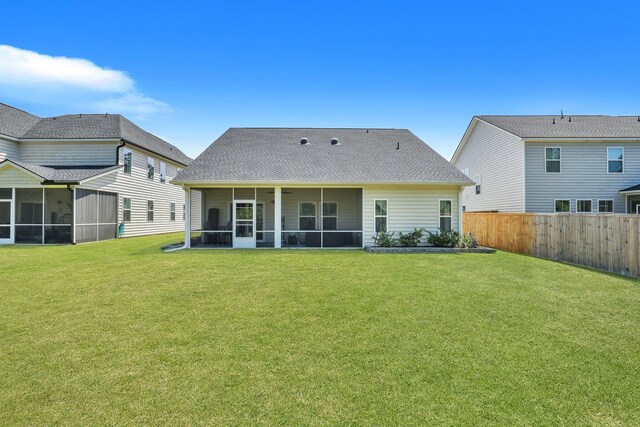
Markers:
{"x": 120, "y": 333}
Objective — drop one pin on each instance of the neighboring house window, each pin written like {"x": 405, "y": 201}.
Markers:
{"x": 163, "y": 172}
{"x": 172, "y": 212}
{"x": 445, "y": 215}
{"x": 150, "y": 167}
{"x": 330, "y": 216}
{"x": 126, "y": 209}
{"x": 126, "y": 156}
{"x": 615, "y": 159}
{"x": 307, "y": 216}
{"x": 583, "y": 206}
{"x": 478, "y": 183}
{"x": 149, "y": 210}
{"x": 184, "y": 212}
{"x": 605, "y": 206}
{"x": 381, "y": 215}
{"x": 552, "y": 160}
{"x": 562, "y": 206}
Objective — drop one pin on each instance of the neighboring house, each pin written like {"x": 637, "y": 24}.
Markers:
{"x": 284, "y": 187}
{"x": 76, "y": 178}
{"x": 544, "y": 164}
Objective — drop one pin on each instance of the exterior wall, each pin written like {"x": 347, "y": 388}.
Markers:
{"x": 497, "y": 157}
{"x": 583, "y": 175}
{"x": 68, "y": 154}
{"x": 8, "y": 149}
{"x": 196, "y": 209}
{"x": 140, "y": 190}
{"x": 408, "y": 207}
{"x": 12, "y": 177}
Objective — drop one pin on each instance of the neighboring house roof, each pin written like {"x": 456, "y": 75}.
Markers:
{"x": 18, "y": 124}
{"x": 14, "y": 122}
{"x": 63, "y": 175}
{"x": 275, "y": 155}
{"x": 568, "y": 126}
{"x": 629, "y": 189}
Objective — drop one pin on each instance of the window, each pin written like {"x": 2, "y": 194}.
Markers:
{"x": 126, "y": 157}
{"x": 552, "y": 160}
{"x": 172, "y": 212}
{"x": 466, "y": 171}
{"x": 150, "y": 210}
{"x": 605, "y": 206}
{"x": 583, "y": 206}
{"x": 381, "y": 215}
{"x": 150, "y": 167}
{"x": 478, "y": 183}
{"x": 562, "y": 206}
{"x": 184, "y": 212}
{"x": 163, "y": 172}
{"x": 615, "y": 159}
{"x": 307, "y": 216}
{"x": 445, "y": 215}
{"x": 329, "y": 216}
{"x": 126, "y": 209}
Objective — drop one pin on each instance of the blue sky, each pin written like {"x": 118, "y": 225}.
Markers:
{"x": 187, "y": 71}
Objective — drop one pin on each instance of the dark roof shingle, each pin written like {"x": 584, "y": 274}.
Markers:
{"x": 14, "y": 122}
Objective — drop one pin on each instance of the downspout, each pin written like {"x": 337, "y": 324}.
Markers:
{"x": 122, "y": 144}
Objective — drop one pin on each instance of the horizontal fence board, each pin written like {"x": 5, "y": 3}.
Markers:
{"x": 602, "y": 241}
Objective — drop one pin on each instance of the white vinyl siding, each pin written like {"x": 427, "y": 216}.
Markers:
{"x": 408, "y": 207}
{"x": 584, "y": 175}
{"x": 8, "y": 150}
{"x": 498, "y": 158}
{"x": 12, "y": 177}
{"x": 68, "y": 154}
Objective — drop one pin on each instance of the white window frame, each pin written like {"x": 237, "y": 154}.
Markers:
{"x": 552, "y": 160}
{"x": 561, "y": 200}
{"x": 126, "y": 151}
{"x": 315, "y": 216}
{"x": 607, "y": 200}
{"x": 478, "y": 186}
{"x": 124, "y": 209}
{"x": 329, "y": 216}
{"x": 172, "y": 212}
{"x": 445, "y": 216}
{"x": 151, "y": 168}
{"x": 466, "y": 172}
{"x": 152, "y": 211}
{"x": 163, "y": 172}
{"x": 375, "y": 216}
{"x": 578, "y": 205}
{"x": 615, "y": 160}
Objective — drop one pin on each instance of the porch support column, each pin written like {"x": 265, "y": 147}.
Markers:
{"x": 75, "y": 226}
{"x": 460, "y": 190}
{"x": 277, "y": 217}
{"x": 187, "y": 220}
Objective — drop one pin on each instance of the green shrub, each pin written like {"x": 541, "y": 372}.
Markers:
{"x": 467, "y": 241}
{"x": 411, "y": 239}
{"x": 384, "y": 239}
{"x": 443, "y": 239}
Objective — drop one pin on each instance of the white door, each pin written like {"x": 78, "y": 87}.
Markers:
{"x": 244, "y": 224}
{"x": 6, "y": 234}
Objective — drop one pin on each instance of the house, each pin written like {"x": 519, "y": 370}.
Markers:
{"x": 544, "y": 164}
{"x": 76, "y": 178}
{"x": 305, "y": 187}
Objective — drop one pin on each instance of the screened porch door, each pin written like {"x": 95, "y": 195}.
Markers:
{"x": 244, "y": 224}
{"x": 5, "y": 221}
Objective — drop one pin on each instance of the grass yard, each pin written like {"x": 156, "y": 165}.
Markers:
{"x": 120, "y": 333}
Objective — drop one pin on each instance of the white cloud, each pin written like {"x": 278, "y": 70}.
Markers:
{"x": 33, "y": 76}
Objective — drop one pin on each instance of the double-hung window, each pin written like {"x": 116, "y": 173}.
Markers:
{"x": 381, "y": 215}
{"x": 150, "y": 210}
{"x": 126, "y": 209}
{"x": 583, "y": 206}
{"x": 307, "y": 216}
{"x": 478, "y": 184}
{"x": 615, "y": 159}
{"x": 605, "y": 206}
{"x": 150, "y": 167}
{"x": 163, "y": 172}
{"x": 552, "y": 159}
{"x": 329, "y": 216}
{"x": 172, "y": 212}
{"x": 445, "y": 215}
{"x": 562, "y": 206}
{"x": 126, "y": 159}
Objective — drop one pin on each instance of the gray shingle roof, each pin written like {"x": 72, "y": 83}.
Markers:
{"x": 275, "y": 155}
{"x": 632, "y": 188}
{"x": 14, "y": 122}
{"x": 63, "y": 175}
{"x": 577, "y": 127}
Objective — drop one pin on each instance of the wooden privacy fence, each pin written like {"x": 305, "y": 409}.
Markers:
{"x": 606, "y": 242}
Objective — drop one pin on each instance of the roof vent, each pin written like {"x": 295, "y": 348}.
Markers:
{"x": 554, "y": 121}
{"x": 334, "y": 141}
{"x": 304, "y": 141}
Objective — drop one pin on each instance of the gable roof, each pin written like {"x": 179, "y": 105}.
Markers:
{"x": 62, "y": 175}
{"x": 568, "y": 126}
{"x": 275, "y": 155}
{"x": 22, "y": 125}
